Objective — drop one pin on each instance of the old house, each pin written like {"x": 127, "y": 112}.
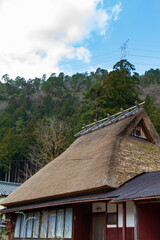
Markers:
{"x": 72, "y": 197}
{"x": 6, "y": 188}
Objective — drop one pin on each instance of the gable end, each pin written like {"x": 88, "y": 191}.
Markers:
{"x": 141, "y": 131}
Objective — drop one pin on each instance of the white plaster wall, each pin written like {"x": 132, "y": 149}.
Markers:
{"x": 111, "y": 226}
{"x": 111, "y": 208}
{"x": 130, "y": 214}
{"x": 120, "y": 215}
{"x": 99, "y": 207}
{"x": 1, "y": 199}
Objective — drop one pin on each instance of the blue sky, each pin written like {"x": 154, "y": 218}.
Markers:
{"x": 45, "y": 36}
{"x": 139, "y": 21}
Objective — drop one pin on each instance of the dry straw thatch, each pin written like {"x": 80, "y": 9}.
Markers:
{"x": 102, "y": 159}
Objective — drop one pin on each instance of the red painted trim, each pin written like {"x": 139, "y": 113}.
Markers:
{"x": 124, "y": 221}
{"x": 117, "y": 221}
{"x": 106, "y": 220}
{"x": 109, "y": 225}
{"x": 112, "y": 213}
{"x": 136, "y": 199}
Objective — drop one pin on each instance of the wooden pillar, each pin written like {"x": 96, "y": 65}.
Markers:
{"x": 117, "y": 221}
{"x": 136, "y": 222}
{"x": 124, "y": 221}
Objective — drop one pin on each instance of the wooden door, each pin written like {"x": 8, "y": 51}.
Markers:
{"x": 98, "y": 226}
{"x": 82, "y": 221}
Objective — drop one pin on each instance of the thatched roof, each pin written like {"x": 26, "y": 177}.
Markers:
{"x": 101, "y": 159}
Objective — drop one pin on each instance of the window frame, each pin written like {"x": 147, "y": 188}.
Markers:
{"x": 116, "y": 215}
{"x": 48, "y": 223}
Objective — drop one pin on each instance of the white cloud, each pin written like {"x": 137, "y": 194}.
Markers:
{"x": 36, "y": 34}
{"x": 116, "y": 11}
{"x": 83, "y": 53}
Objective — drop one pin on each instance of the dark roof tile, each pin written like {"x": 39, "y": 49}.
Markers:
{"x": 145, "y": 185}
{"x": 7, "y": 187}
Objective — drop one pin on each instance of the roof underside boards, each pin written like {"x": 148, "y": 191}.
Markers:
{"x": 94, "y": 161}
{"x": 7, "y": 188}
{"x": 63, "y": 201}
{"x": 146, "y": 185}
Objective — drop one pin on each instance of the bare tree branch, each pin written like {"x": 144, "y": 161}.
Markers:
{"x": 50, "y": 142}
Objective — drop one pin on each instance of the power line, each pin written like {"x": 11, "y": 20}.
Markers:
{"x": 106, "y": 57}
{"x": 95, "y": 57}
{"x": 147, "y": 64}
{"x": 109, "y": 57}
{"x": 144, "y": 50}
{"x": 133, "y": 55}
{"x": 81, "y": 66}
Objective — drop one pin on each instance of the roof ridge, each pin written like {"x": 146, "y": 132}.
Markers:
{"x": 110, "y": 119}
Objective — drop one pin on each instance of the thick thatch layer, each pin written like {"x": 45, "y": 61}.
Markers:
{"x": 101, "y": 159}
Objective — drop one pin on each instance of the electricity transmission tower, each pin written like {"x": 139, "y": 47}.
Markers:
{"x": 124, "y": 51}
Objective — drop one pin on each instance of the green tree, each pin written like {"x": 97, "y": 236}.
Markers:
{"x": 119, "y": 89}
{"x": 10, "y": 149}
{"x": 155, "y": 118}
{"x": 121, "y": 85}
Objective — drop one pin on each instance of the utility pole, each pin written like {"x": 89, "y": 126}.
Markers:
{"x": 124, "y": 49}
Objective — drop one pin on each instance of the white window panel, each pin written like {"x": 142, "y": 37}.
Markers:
{"x": 17, "y": 227}
{"x": 52, "y": 223}
{"x": 29, "y": 225}
{"x": 112, "y": 226}
{"x": 120, "y": 215}
{"x": 60, "y": 223}
{"x": 68, "y": 223}
{"x": 44, "y": 224}
{"x": 36, "y": 224}
{"x": 130, "y": 214}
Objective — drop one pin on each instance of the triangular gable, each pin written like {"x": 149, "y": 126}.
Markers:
{"x": 141, "y": 131}
{"x": 142, "y": 127}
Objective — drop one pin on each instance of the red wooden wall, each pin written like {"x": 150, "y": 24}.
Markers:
{"x": 149, "y": 221}
{"x": 130, "y": 233}
{"x": 114, "y": 234}
{"x": 82, "y": 222}
{"x": 117, "y": 233}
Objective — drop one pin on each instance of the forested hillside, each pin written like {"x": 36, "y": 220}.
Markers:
{"x": 39, "y": 117}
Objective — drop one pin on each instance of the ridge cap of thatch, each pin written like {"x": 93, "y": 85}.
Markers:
{"x": 110, "y": 119}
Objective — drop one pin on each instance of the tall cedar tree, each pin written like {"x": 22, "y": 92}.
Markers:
{"x": 119, "y": 89}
